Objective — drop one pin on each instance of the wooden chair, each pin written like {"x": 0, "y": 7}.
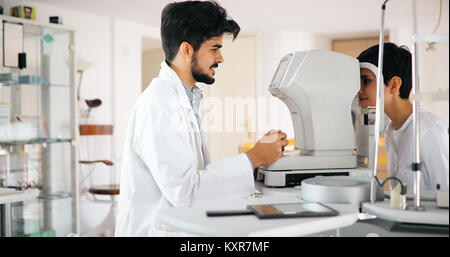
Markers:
{"x": 111, "y": 190}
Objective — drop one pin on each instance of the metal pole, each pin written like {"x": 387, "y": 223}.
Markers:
{"x": 415, "y": 88}
{"x": 6, "y": 220}
{"x": 73, "y": 133}
{"x": 379, "y": 106}
{"x": 46, "y": 105}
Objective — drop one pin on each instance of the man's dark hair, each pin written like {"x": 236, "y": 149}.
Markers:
{"x": 194, "y": 22}
{"x": 396, "y": 62}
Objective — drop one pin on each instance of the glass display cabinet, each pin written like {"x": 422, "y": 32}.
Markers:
{"x": 38, "y": 126}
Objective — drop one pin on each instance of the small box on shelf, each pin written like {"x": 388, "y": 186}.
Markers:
{"x": 55, "y": 20}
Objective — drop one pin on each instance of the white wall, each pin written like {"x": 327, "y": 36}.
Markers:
{"x": 151, "y": 65}
{"x": 127, "y": 74}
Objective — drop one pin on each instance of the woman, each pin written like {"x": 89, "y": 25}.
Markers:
{"x": 399, "y": 134}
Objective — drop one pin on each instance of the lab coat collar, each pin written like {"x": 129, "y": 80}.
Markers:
{"x": 181, "y": 93}
{"x": 169, "y": 72}
{"x": 166, "y": 71}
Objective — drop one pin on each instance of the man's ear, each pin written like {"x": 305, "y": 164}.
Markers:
{"x": 394, "y": 85}
{"x": 186, "y": 50}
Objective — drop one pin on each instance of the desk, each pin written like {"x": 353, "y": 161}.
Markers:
{"x": 6, "y": 199}
{"x": 194, "y": 220}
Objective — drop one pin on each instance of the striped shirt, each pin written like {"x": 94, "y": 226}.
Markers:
{"x": 195, "y": 96}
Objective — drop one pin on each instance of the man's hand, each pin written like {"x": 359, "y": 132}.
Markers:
{"x": 268, "y": 149}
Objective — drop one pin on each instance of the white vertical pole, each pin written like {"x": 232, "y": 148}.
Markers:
{"x": 415, "y": 88}
{"x": 379, "y": 106}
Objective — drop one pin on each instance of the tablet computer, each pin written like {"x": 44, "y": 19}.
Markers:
{"x": 292, "y": 210}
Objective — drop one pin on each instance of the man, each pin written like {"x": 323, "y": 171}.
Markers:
{"x": 166, "y": 161}
{"x": 399, "y": 134}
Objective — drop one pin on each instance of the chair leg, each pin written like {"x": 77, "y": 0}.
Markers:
{"x": 106, "y": 227}
{"x": 110, "y": 222}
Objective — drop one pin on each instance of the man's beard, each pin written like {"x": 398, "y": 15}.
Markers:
{"x": 197, "y": 73}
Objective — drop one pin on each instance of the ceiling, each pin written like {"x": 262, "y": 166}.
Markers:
{"x": 336, "y": 19}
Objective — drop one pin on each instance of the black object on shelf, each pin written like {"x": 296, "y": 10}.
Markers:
{"x": 22, "y": 60}
{"x": 55, "y": 19}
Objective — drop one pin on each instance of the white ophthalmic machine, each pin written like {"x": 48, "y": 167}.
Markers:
{"x": 318, "y": 87}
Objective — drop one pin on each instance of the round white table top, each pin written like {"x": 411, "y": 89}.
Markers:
{"x": 194, "y": 219}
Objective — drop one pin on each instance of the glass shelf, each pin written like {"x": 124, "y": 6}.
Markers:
{"x": 55, "y": 195}
{"x": 16, "y": 84}
{"x": 33, "y": 28}
{"x": 36, "y": 141}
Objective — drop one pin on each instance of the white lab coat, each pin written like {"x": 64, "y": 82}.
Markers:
{"x": 434, "y": 148}
{"x": 163, "y": 165}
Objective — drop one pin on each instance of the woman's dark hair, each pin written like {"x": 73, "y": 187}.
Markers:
{"x": 194, "y": 22}
{"x": 396, "y": 62}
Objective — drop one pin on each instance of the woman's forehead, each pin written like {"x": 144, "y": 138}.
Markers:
{"x": 367, "y": 72}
